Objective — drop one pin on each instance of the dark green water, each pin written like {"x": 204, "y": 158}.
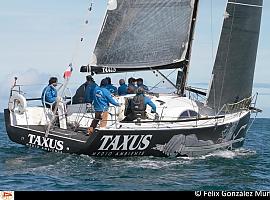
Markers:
{"x": 29, "y": 169}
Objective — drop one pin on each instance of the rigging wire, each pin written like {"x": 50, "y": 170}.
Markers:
{"x": 162, "y": 81}
{"x": 75, "y": 54}
{"x": 212, "y": 59}
{"x": 227, "y": 53}
{"x": 77, "y": 48}
{"x": 212, "y": 31}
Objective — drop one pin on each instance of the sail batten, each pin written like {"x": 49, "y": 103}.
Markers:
{"x": 244, "y": 4}
{"x": 233, "y": 71}
{"x": 141, "y": 33}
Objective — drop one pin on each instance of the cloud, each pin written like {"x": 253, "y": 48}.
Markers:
{"x": 31, "y": 83}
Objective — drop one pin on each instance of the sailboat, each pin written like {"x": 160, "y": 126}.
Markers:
{"x": 155, "y": 35}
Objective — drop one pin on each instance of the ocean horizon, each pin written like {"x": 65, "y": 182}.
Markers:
{"x": 262, "y": 89}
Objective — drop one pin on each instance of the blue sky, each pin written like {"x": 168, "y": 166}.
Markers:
{"x": 38, "y": 39}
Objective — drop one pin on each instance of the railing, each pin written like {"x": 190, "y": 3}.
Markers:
{"x": 17, "y": 89}
{"x": 89, "y": 114}
{"x": 115, "y": 116}
{"x": 236, "y": 107}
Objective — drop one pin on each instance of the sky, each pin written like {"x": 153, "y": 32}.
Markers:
{"x": 39, "y": 39}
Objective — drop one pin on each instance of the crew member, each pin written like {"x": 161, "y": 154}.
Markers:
{"x": 102, "y": 98}
{"x": 49, "y": 94}
{"x": 138, "y": 106}
{"x": 111, "y": 87}
{"x": 131, "y": 86}
{"x": 84, "y": 94}
{"x": 140, "y": 84}
{"x": 122, "y": 89}
{"x": 89, "y": 90}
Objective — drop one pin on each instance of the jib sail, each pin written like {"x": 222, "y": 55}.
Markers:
{"x": 233, "y": 72}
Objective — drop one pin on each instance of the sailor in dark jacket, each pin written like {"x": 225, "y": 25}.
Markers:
{"x": 84, "y": 94}
{"x": 138, "y": 106}
{"x": 140, "y": 84}
{"x": 131, "y": 86}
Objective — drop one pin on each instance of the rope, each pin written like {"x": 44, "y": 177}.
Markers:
{"x": 227, "y": 55}
{"x": 252, "y": 121}
{"x": 255, "y": 96}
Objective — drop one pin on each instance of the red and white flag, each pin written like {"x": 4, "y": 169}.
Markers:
{"x": 68, "y": 72}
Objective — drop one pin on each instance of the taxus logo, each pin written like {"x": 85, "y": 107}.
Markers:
{"x": 108, "y": 69}
{"x": 46, "y": 142}
{"x": 125, "y": 142}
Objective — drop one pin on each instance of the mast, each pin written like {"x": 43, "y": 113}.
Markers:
{"x": 233, "y": 71}
{"x": 182, "y": 76}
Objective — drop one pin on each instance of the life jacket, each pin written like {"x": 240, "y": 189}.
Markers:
{"x": 137, "y": 103}
{"x": 137, "y": 106}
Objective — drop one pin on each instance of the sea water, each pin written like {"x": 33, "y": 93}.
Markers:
{"x": 29, "y": 169}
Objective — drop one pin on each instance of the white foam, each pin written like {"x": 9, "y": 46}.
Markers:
{"x": 230, "y": 154}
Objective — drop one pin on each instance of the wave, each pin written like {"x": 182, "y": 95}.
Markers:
{"x": 229, "y": 154}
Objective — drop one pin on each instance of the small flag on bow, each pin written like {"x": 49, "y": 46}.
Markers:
{"x": 67, "y": 73}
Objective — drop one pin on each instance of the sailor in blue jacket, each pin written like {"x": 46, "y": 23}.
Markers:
{"x": 111, "y": 87}
{"x": 102, "y": 99}
{"x": 89, "y": 90}
{"x": 122, "y": 89}
{"x": 49, "y": 93}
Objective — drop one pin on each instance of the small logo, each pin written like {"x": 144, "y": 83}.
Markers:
{"x": 198, "y": 193}
{"x": 7, "y": 195}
